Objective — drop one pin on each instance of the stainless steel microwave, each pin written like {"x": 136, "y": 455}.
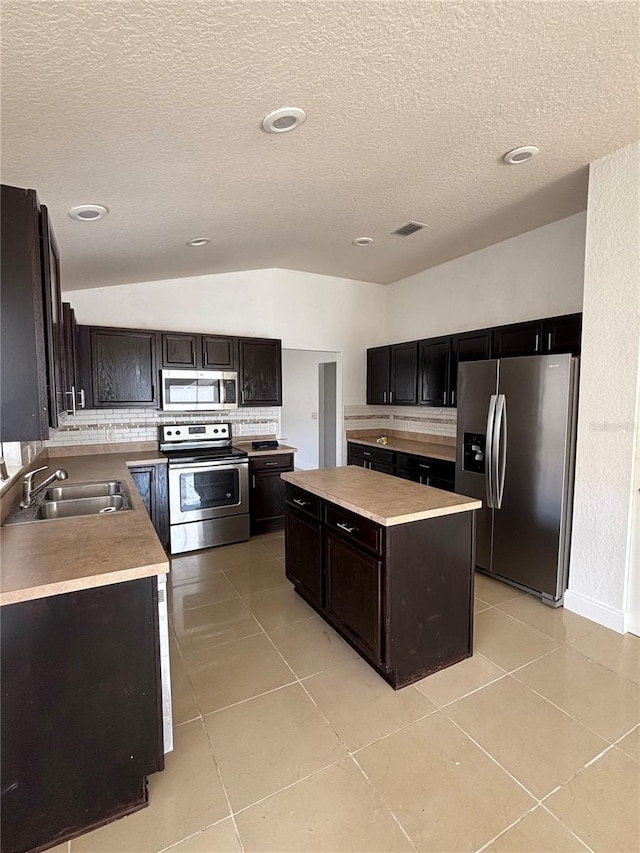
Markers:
{"x": 199, "y": 390}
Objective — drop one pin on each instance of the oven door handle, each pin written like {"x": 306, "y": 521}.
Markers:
{"x": 198, "y": 466}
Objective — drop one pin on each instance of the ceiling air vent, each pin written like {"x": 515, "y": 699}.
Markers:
{"x": 409, "y": 228}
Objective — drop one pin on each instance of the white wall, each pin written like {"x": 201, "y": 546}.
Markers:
{"x": 537, "y": 274}
{"x": 300, "y": 400}
{"x": 601, "y": 565}
{"x": 305, "y": 310}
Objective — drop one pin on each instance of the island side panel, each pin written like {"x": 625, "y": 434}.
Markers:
{"x": 430, "y": 566}
{"x": 81, "y": 711}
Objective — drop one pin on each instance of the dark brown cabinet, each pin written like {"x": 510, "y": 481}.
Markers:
{"x": 433, "y": 372}
{"x": 260, "y": 371}
{"x": 391, "y": 374}
{"x": 81, "y": 711}
{"x": 218, "y": 353}
{"x": 32, "y": 351}
{"x": 189, "y": 351}
{"x": 303, "y": 543}
{"x": 518, "y": 339}
{"x": 267, "y": 495}
{"x": 439, "y": 473}
{"x": 152, "y": 484}
{"x": 562, "y": 334}
{"x": 402, "y": 595}
{"x": 468, "y": 346}
{"x": 378, "y": 375}
{"x": 391, "y": 370}
{"x": 354, "y": 580}
{"x": 123, "y": 368}
{"x": 179, "y": 350}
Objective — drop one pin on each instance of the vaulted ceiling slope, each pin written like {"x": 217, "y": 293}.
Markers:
{"x": 153, "y": 108}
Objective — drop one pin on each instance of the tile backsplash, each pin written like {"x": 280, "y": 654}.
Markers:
{"x": 102, "y": 426}
{"x": 417, "y": 419}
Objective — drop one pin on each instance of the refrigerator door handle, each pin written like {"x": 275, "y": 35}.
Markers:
{"x": 500, "y": 444}
{"x": 489, "y": 467}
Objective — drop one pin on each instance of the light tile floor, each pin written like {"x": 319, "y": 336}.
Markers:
{"x": 286, "y": 741}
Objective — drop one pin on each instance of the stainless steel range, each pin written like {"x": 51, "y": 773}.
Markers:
{"x": 208, "y": 486}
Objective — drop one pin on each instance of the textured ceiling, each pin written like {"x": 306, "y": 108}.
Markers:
{"x": 153, "y": 108}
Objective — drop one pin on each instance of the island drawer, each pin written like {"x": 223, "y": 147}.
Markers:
{"x": 283, "y": 461}
{"x": 304, "y": 501}
{"x": 354, "y": 527}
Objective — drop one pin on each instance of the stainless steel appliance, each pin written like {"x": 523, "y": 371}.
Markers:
{"x": 208, "y": 486}
{"x": 199, "y": 390}
{"x": 516, "y": 451}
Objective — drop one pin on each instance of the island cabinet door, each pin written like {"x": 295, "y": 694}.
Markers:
{"x": 354, "y": 593}
{"x": 303, "y": 550}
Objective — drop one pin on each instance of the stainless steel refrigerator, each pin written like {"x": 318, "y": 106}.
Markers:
{"x": 516, "y": 452}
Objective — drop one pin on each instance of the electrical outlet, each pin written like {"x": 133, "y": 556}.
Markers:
{"x": 111, "y": 434}
{"x": 314, "y": 416}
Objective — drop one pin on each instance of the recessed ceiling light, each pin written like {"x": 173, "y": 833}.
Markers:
{"x": 88, "y": 212}
{"x": 520, "y": 155}
{"x": 362, "y": 241}
{"x": 198, "y": 241}
{"x": 284, "y": 119}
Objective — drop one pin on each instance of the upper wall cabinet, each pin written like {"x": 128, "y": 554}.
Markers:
{"x": 32, "y": 353}
{"x": 562, "y": 334}
{"x": 209, "y": 352}
{"x": 392, "y": 367}
{"x": 123, "y": 368}
{"x": 518, "y": 339}
{"x": 391, "y": 374}
{"x": 433, "y": 371}
{"x": 260, "y": 371}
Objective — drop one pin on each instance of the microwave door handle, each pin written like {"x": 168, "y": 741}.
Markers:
{"x": 222, "y": 393}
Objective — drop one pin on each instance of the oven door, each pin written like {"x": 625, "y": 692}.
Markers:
{"x": 202, "y": 490}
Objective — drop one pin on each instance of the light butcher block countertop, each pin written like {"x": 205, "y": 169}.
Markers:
{"x": 447, "y": 452}
{"x": 380, "y": 497}
{"x": 64, "y": 555}
{"x": 246, "y": 446}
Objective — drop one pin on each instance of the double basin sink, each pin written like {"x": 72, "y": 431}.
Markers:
{"x": 73, "y": 500}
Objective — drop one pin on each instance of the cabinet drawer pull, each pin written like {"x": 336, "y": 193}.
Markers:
{"x": 82, "y": 401}
{"x": 428, "y": 467}
{"x": 549, "y": 341}
{"x": 271, "y": 464}
{"x": 346, "y": 527}
{"x": 300, "y": 502}
{"x": 537, "y": 342}
{"x": 384, "y": 396}
{"x": 253, "y": 481}
{"x": 366, "y": 453}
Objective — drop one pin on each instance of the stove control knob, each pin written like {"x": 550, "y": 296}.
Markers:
{"x": 177, "y": 432}
{"x": 168, "y": 432}
{"x": 215, "y": 430}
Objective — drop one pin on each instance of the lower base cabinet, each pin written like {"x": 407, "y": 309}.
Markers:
{"x": 439, "y": 473}
{"x": 152, "y": 484}
{"x": 402, "y": 596}
{"x": 354, "y": 580}
{"x": 81, "y": 711}
{"x": 267, "y": 495}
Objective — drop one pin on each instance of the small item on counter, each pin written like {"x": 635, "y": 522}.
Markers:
{"x": 382, "y": 440}
{"x": 267, "y": 444}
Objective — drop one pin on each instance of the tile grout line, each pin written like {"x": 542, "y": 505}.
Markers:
{"x": 507, "y": 828}
{"x": 386, "y": 804}
{"x": 224, "y": 787}
{"x": 568, "y": 828}
{"x": 493, "y": 758}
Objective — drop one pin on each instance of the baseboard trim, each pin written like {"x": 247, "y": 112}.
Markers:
{"x": 595, "y": 610}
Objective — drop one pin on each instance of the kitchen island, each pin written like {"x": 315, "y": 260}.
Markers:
{"x": 84, "y": 663}
{"x": 388, "y": 563}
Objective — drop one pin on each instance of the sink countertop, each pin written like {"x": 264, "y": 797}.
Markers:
{"x": 64, "y": 555}
{"x": 380, "y": 497}
{"x": 445, "y": 452}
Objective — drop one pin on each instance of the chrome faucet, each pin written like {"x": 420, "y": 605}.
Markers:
{"x": 28, "y": 490}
